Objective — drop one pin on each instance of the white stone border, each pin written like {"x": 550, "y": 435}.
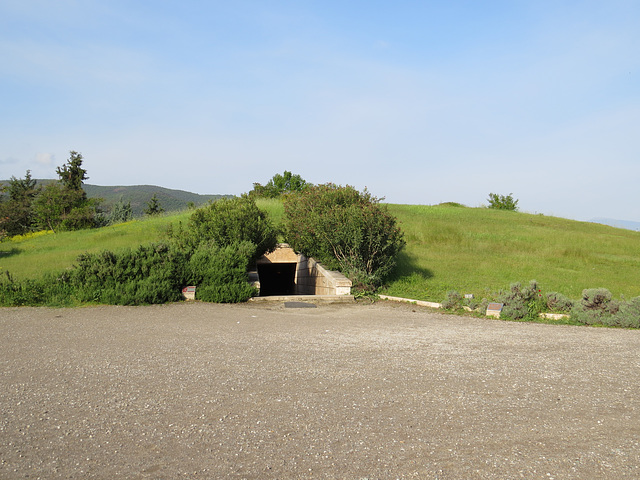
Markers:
{"x": 422, "y": 303}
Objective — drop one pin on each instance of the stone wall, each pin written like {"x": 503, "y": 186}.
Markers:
{"x": 311, "y": 278}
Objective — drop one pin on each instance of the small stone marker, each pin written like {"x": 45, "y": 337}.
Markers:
{"x": 189, "y": 293}
{"x": 494, "y": 309}
{"x": 468, "y": 295}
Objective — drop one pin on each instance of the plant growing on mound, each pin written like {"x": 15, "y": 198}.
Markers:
{"x": 502, "y": 202}
{"x": 226, "y": 222}
{"x": 345, "y": 230}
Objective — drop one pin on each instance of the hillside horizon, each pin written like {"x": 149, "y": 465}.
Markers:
{"x": 172, "y": 199}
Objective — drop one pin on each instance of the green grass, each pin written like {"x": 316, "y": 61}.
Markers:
{"x": 31, "y": 256}
{"x": 449, "y": 247}
{"x": 481, "y": 251}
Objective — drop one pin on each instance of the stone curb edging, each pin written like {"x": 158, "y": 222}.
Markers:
{"x": 422, "y": 303}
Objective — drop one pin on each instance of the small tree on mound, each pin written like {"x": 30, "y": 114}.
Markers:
{"x": 503, "y": 202}
{"x": 228, "y": 221}
{"x": 279, "y": 185}
{"x": 344, "y": 229}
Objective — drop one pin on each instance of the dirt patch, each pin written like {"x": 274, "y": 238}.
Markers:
{"x": 263, "y": 391}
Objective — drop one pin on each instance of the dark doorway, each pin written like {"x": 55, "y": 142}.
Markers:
{"x": 277, "y": 278}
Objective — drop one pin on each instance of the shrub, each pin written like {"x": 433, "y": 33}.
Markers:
{"x": 522, "y": 302}
{"x": 49, "y": 290}
{"x": 453, "y": 301}
{"x": 345, "y": 230}
{"x": 279, "y": 185}
{"x": 557, "y": 302}
{"x": 149, "y": 274}
{"x": 628, "y": 315}
{"x": 221, "y": 272}
{"x": 502, "y": 202}
{"x": 229, "y": 221}
{"x": 596, "y": 307}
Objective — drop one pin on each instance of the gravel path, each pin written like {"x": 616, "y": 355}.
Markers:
{"x": 346, "y": 391}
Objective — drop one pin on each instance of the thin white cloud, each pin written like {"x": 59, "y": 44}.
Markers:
{"x": 45, "y": 159}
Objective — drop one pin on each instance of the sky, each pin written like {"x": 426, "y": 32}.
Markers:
{"x": 420, "y": 102}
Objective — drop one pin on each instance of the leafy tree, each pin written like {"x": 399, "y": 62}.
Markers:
{"x": 16, "y": 212}
{"x": 502, "y": 202}
{"x": 228, "y": 221}
{"x": 344, "y": 229}
{"x": 280, "y": 185}
{"x": 64, "y": 205}
{"x": 153, "y": 206}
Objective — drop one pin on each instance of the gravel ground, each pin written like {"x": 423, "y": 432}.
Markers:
{"x": 345, "y": 391}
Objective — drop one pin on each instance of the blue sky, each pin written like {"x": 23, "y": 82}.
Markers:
{"x": 421, "y": 102}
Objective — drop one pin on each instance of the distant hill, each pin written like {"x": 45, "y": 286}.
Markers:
{"x": 139, "y": 196}
{"x": 612, "y": 222}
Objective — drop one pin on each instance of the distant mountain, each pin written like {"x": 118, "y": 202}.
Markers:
{"x": 139, "y": 196}
{"x": 629, "y": 225}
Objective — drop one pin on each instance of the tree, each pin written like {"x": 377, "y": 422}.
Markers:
{"x": 280, "y": 185}
{"x": 121, "y": 212}
{"x": 344, "y": 229}
{"x": 153, "y": 206}
{"x": 64, "y": 205}
{"x": 16, "y": 212}
{"x": 502, "y": 202}
{"x": 72, "y": 174}
{"x": 229, "y": 221}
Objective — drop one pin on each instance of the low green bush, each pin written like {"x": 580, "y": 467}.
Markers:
{"x": 221, "y": 272}
{"x": 453, "y": 301}
{"x": 559, "y": 303}
{"x": 149, "y": 274}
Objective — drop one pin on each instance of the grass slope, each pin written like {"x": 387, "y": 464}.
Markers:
{"x": 481, "y": 251}
{"x": 31, "y": 256}
{"x": 470, "y": 250}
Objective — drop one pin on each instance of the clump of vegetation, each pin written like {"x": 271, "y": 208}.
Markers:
{"x": 279, "y": 185}
{"x": 453, "y": 301}
{"x": 522, "y": 302}
{"x": 502, "y": 202}
{"x": 227, "y": 221}
{"x": 63, "y": 205}
{"x": 212, "y": 252}
{"x": 221, "y": 272}
{"x": 149, "y": 274}
{"x": 153, "y": 206}
{"x": 557, "y": 302}
{"x": 60, "y": 205}
{"x": 595, "y": 307}
{"x": 344, "y": 229}
{"x": 120, "y": 212}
